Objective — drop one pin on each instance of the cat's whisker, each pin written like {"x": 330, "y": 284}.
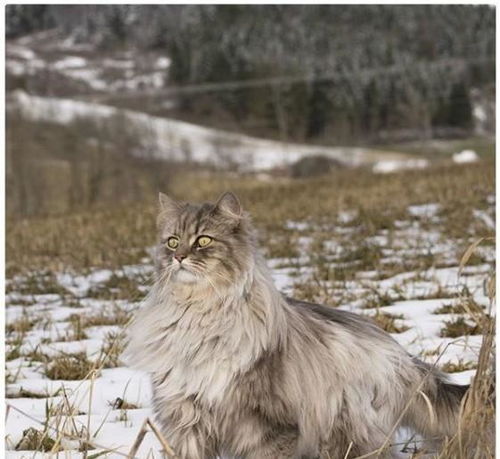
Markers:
{"x": 202, "y": 275}
{"x": 164, "y": 278}
{"x": 207, "y": 278}
{"x": 219, "y": 274}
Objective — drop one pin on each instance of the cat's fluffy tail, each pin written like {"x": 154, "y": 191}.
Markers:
{"x": 436, "y": 407}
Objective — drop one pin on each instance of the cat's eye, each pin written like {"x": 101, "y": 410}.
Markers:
{"x": 172, "y": 242}
{"x": 203, "y": 241}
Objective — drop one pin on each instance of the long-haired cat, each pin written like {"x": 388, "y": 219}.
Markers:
{"x": 242, "y": 371}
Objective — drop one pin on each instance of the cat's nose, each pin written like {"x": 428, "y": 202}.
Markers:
{"x": 179, "y": 257}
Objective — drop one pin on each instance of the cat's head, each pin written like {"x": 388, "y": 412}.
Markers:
{"x": 204, "y": 243}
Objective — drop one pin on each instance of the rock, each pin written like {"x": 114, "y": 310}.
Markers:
{"x": 315, "y": 165}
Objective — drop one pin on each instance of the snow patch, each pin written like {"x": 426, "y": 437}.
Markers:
{"x": 70, "y": 62}
{"x": 424, "y": 210}
{"x": 465, "y": 156}
{"x": 485, "y": 218}
{"x": 20, "y": 52}
{"x": 388, "y": 166}
{"x": 346, "y": 217}
{"x": 479, "y": 113}
{"x": 118, "y": 64}
{"x": 162, "y": 63}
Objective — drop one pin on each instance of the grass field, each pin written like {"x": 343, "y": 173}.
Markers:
{"x": 388, "y": 246}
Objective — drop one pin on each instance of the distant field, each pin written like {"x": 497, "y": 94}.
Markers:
{"x": 110, "y": 235}
{"x": 388, "y": 246}
{"x": 65, "y": 155}
{"x": 483, "y": 146}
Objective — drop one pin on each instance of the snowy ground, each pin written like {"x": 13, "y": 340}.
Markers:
{"x": 65, "y": 380}
{"x": 174, "y": 140}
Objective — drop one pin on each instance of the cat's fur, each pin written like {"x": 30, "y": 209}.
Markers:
{"x": 238, "y": 369}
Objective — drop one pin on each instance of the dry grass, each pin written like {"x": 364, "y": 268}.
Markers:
{"x": 451, "y": 367}
{"x": 111, "y": 237}
{"x": 282, "y": 245}
{"x": 388, "y": 322}
{"x": 69, "y": 367}
{"x": 459, "y": 327}
{"x": 56, "y": 168}
{"x": 115, "y": 317}
{"x": 13, "y": 353}
{"x": 23, "y": 393}
{"x": 36, "y": 440}
{"x": 117, "y": 287}
{"x": 476, "y": 434}
{"x": 75, "y": 331}
{"x": 379, "y": 298}
{"x": 466, "y": 306}
{"x": 475, "y": 437}
{"x": 113, "y": 346}
{"x": 431, "y": 352}
{"x": 36, "y": 355}
{"x": 121, "y": 404}
{"x": 37, "y": 283}
{"x": 438, "y": 292}
{"x": 21, "y": 325}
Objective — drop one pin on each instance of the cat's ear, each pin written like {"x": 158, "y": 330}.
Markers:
{"x": 229, "y": 204}
{"x": 167, "y": 204}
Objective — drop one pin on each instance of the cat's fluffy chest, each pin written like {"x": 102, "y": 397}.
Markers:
{"x": 204, "y": 349}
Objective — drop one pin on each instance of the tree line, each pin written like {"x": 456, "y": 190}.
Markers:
{"x": 361, "y": 72}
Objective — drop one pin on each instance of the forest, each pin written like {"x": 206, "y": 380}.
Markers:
{"x": 353, "y": 74}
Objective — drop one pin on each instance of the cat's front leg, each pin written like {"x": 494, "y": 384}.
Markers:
{"x": 192, "y": 443}
{"x": 277, "y": 446}
{"x": 186, "y": 428}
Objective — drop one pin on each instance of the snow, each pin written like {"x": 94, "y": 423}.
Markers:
{"x": 388, "y": 166}
{"x": 122, "y": 72}
{"x": 20, "y": 52}
{"x": 283, "y": 279}
{"x": 425, "y": 210}
{"x": 347, "y": 216}
{"x": 485, "y": 218}
{"x": 29, "y": 67}
{"x": 297, "y": 226}
{"x": 465, "y": 156}
{"x": 70, "y": 62}
{"x": 162, "y": 63}
{"x": 153, "y": 80}
{"x": 90, "y": 76}
{"x": 479, "y": 113}
{"x": 119, "y": 64}
{"x": 58, "y": 110}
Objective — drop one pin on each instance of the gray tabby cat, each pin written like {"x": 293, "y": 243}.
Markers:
{"x": 240, "y": 370}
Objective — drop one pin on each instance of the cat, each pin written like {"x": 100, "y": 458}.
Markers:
{"x": 240, "y": 370}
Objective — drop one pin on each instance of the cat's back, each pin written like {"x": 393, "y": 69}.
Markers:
{"x": 345, "y": 336}
{"x": 349, "y": 321}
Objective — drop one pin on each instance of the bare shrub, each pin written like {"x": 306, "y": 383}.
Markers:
{"x": 53, "y": 169}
